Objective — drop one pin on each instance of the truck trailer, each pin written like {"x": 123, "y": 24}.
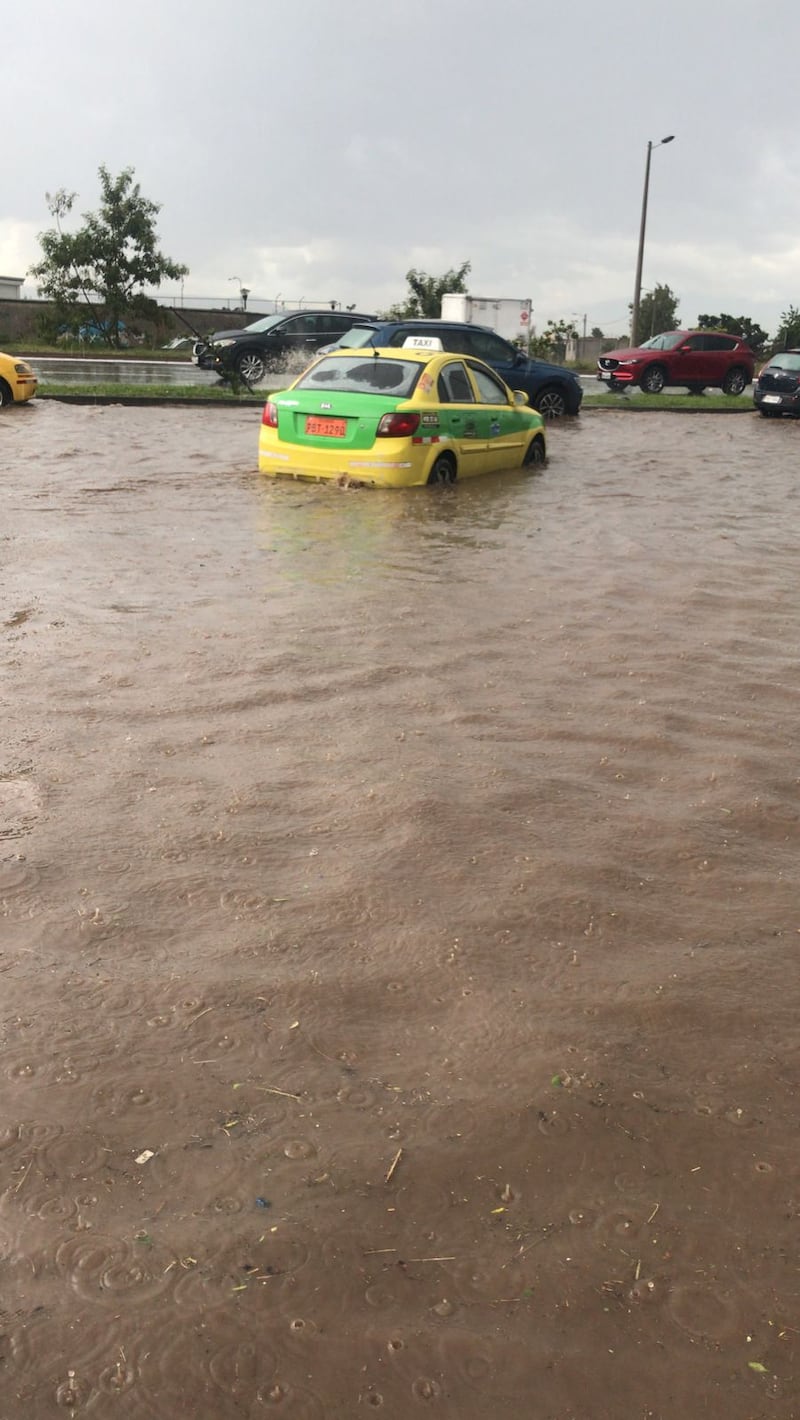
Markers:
{"x": 509, "y": 317}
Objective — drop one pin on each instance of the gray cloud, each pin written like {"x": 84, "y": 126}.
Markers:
{"x": 319, "y": 149}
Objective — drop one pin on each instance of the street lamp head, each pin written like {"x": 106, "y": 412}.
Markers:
{"x": 668, "y": 139}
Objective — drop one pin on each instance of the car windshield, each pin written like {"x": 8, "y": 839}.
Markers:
{"x": 787, "y": 360}
{"x": 668, "y": 341}
{"x": 266, "y": 322}
{"x": 351, "y": 374}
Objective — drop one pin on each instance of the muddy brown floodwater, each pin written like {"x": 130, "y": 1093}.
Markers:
{"x": 398, "y": 974}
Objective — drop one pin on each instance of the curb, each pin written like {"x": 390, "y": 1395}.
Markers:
{"x": 153, "y": 401}
{"x": 668, "y": 409}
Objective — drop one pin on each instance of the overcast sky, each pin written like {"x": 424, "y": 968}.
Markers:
{"x": 317, "y": 149}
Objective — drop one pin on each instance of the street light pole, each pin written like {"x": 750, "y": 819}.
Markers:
{"x": 637, "y": 290}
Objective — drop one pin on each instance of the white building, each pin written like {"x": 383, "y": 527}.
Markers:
{"x": 11, "y": 288}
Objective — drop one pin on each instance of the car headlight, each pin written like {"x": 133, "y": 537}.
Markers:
{"x": 628, "y": 362}
{"x": 226, "y": 342}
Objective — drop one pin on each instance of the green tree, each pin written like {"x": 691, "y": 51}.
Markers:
{"x": 658, "y": 311}
{"x": 597, "y": 333}
{"x": 742, "y": 326}
{"x": 788, "y": 330}
{"x": 109, "y": 261}
{"x": 555, "y": 336}
{"x": 424, "y": 296}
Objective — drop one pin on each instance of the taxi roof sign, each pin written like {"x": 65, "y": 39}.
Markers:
{"x": 422, "y": 342}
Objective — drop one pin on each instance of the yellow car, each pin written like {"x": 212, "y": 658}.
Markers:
{"x": 397, "y": 418}
{"x": 17, "y": 380}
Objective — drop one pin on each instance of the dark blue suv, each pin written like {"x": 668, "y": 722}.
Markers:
{"x": 550, "y": 388}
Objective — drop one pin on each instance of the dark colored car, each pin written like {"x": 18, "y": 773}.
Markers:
{"x": 550, "y": 388}
{"x": 271, "y": 342}
{"x": 693, "y": 358}
{"x": 777, "y": 388}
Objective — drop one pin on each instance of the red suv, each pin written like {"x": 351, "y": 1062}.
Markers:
{"x": 694, "y": 358}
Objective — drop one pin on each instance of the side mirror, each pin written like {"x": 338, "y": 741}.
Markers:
{"x": 520, "y": 358}
{"x": 520, "y": 397}
{"x": 685, "y": 349}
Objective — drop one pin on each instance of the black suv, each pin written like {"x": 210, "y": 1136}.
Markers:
{"x": 550, "y": 388}
{"x": 270, "y": 342}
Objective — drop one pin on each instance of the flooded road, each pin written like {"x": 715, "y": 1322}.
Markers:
{"x": 72, "y": 370}
{"x": 399, "y": 1003}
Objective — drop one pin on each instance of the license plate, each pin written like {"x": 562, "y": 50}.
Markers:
{"x": 771, "y": 399}
{"x": 329, "y": 428}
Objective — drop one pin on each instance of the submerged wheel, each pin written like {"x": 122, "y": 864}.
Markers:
{"x": 6, "y": 397}
{"x": 251, "y": 366}
{"x": 535, "y": 452}
{"x": 551, "y": 403}
{"x": 735, "y": 381}
{"x": 654, "y": 379}
{"x": 444, "y": 469}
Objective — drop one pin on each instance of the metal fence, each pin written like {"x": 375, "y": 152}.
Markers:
{"x": 256, "y": 305}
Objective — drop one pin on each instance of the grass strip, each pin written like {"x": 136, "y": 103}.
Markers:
{"x": 674, "y": 403}
{"x": 148, "y": 393}
{"x": 118, "y": 391}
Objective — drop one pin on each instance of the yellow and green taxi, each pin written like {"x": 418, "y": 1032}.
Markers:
{"x": 398, "y": 418}
{"x": 17, "y": 380}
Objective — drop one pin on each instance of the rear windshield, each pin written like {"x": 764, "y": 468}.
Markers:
{"x": 788, "y": 360}
{"x": 352, "y": 374}
{"x": 357, "y": 336}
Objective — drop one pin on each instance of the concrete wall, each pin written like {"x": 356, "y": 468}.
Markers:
{"x": 588, "y": 347}
{"x": 20, "y": 321}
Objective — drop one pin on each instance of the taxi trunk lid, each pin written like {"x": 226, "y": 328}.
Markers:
{"x": 345, "y": 421}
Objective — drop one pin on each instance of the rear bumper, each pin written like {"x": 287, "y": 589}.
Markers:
{"x": 393, "y": 463}
{"x": 784, "y": 400}
{"x": 25, "y": 387}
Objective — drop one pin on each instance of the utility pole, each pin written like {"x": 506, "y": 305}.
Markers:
{"x": 637, "y": 290}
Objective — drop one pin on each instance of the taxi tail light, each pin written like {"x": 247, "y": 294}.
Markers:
{"x": 270, "y": 415}
{"x": 398, "y": 426}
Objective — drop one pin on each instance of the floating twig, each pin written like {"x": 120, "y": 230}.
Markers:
{"x": 430, "y": 1259}
{"x": 653, "y": 1214}
{"x": 393, "y": 1165}
{"x": 197, "y": 1017}
{"x": 24, "y": 1176}
{"x": 270, "y": 1090}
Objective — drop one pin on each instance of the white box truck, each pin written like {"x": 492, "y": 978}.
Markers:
{"x": 510, "y": 318}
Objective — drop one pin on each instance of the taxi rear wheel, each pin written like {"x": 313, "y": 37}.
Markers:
{"x": 444, "y": 469}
